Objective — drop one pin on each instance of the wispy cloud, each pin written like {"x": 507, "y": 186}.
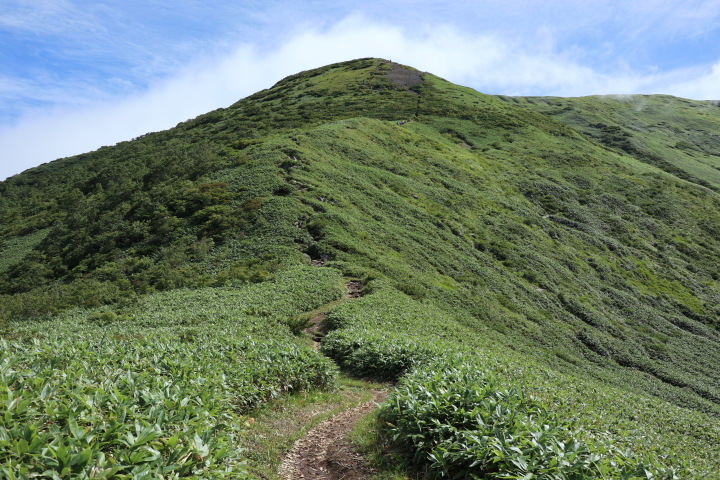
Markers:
{"x": 697, "y": 83}
{"x": 488, "y": 62}
{"x": 45, "y": 17}
{"x": 669, "y": 17}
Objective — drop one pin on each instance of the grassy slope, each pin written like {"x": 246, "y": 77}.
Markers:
{"x": 157, "y": 388}
{"x": 387, "y": 333}
{"x": 550, "y": 249}
{"x": 675, "y": 134}
{"x": 548, "y": 255}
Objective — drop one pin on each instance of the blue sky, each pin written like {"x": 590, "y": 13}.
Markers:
{"x": 76, "y": 75}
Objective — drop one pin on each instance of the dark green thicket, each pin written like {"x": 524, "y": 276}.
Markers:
{"x": 578, "y": 237}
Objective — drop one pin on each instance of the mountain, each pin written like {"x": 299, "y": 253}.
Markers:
{"x": 677, "y": 135}
{"x": 566, "y": 249}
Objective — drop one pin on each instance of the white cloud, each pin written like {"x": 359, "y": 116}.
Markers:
{"x": 486, "y": 62}
{"x": 699, "y": 83}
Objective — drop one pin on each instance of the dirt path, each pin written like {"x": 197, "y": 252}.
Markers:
{"x": 325, "y": 452}
{"x": 315, "y": 330}
{"x": 353, "y": 289}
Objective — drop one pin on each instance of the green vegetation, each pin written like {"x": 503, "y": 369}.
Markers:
{"x": 674, "y": 134}
{"x": 557, "y": 258}
{"x": 452, "y": 379}
{"x": 104, "y": 394}
{"x": 465, "y": 423}
{"x": 389, "y": 463}
{"x": 17, "y": 248}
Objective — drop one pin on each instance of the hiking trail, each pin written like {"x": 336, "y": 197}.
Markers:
{"x": 325, "y": 452}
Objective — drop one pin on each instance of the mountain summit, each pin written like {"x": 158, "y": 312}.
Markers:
{"x": 571, "y": 246}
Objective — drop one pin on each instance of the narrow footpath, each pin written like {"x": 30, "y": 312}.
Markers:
{"x": 353, "y": 289}
{"x": 325, "y": 452}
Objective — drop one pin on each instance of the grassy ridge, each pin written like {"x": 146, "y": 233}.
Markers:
{"x": 674, "y": 134}
{"x": 541, "y": 259}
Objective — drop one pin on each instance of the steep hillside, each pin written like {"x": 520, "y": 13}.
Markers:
{"x": 567, "y": 248}
{"x": 677, "y": 135}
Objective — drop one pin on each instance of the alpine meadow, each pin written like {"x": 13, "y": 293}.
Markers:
{"x": 535, "y": 281}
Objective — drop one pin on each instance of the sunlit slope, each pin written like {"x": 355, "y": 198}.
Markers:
{"x": 522, "y": 249}
{"x": 534, "y": 233}
{"x": 522, "y": 225}
{"x": 677, "y": 135}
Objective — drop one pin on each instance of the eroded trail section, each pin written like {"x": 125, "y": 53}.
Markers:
{"x": 314, "y": 331}
{"x": 325, "y": 452}
{"x": 353, "y": 289}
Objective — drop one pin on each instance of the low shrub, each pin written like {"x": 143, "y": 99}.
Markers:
{"x": 158, "y": 389}
{"x": 460, "y": 421}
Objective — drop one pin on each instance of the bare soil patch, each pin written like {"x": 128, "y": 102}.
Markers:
{"x": 354, "y": 289}
{"x": 315, "y": 330}
{"x": 404, "y": 77}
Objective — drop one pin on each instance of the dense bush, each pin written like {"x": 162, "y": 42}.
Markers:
{"x": 463, "y": 408}
{"x": 156, "y": 389}
{"x": 139, "y": 408}
{"x": 460, "y": 421}
{"x": 377, "y": 335}
{"x": 377, "y": 354}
